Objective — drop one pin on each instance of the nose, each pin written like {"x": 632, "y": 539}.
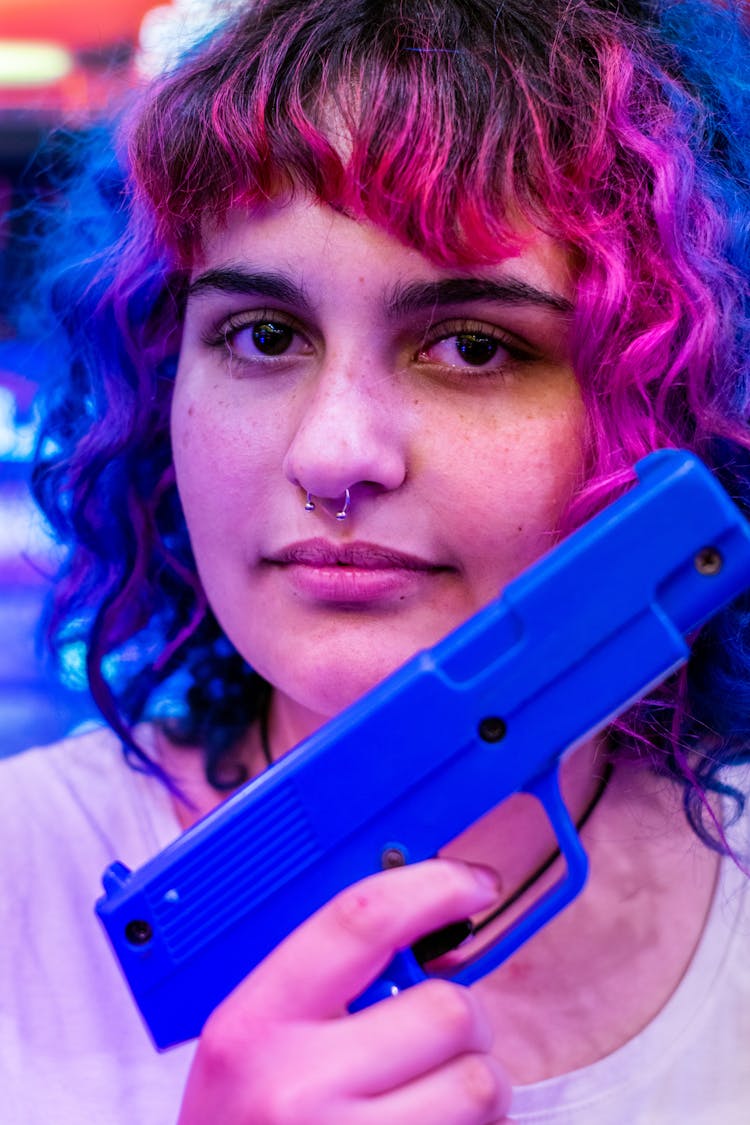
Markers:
{"x": 349, "y": 435}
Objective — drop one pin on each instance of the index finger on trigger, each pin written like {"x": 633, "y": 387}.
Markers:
{"x": 317, "y": 970}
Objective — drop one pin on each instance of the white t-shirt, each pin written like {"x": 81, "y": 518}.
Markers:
{"x": 72, "y": 1045}
{"x": 691, "y": 1065}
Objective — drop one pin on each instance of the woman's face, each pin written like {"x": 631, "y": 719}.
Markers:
{"x": 321, "y": 355}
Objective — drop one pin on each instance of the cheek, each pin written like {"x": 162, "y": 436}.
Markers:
{"x": 545, "y": 456}
{"x": 506, "y": 482}
{"x": 220, "y": 454}
{"x": 197, "y": 467}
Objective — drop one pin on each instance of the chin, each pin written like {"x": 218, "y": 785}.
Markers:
{"x": 334, "y": 664}
{"x": 330, "y": 696}
{"x": 333, "y": 685}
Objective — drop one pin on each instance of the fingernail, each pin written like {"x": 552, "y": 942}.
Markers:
{"x": 487, "y": 878}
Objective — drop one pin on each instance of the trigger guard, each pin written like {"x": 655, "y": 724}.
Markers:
{"x": 405, "y": 971}
{"x": 546, "y": 789}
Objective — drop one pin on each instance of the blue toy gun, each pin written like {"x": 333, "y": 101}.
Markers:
{"x": 488, "y": 712}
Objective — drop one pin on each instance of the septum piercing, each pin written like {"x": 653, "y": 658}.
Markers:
{"x": 342, "y": 515}
{"x": 345, "y": 510}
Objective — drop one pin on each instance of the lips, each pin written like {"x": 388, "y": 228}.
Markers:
{"x": 358, "y": 556}
{"x": 352, "y": 574}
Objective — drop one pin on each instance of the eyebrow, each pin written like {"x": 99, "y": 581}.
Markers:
{"x": 459, "y": 290}
{"x": 401, "y": 301}
{"x": 276, "y": 286}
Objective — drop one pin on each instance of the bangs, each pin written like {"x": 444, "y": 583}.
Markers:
{"x": 409, "y": 116}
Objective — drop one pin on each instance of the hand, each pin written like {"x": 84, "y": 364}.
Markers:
{"x": 283, "y": 1050}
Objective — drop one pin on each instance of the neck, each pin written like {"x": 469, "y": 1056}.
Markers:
{"x": 599, "y": 973}
{"x": 289, "y": 722}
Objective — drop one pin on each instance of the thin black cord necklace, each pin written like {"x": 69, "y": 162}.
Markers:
{"x": 547, "y": 863}
{"x": 450, "y": 937}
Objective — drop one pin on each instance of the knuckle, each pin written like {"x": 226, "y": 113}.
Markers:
{"x": 255, "y": 1071}
{"x": 450, "y": 1009}
{"x": 360, "y": 913}
{"x": 217, "y": 1052}
{"x": 232, "y": 1046}
{"x": 293, "y": 1104}
{"x": 481, "y": 1083}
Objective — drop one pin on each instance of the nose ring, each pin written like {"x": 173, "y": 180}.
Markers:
{"x": 345, "y": 509}
{"x": 340, "y": 515}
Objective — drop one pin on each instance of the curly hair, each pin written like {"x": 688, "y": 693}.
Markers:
{"x": 609, "y": 126}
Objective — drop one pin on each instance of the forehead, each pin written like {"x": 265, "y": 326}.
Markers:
{"x": 319, "y": 246}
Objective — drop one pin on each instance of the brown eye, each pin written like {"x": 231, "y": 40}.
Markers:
{"x": 271, "y": 337}
{"x": 473, "y": 350}
{"x": 476, "y": 348}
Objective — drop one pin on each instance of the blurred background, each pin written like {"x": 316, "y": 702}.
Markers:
{"x": 61, "y": 63}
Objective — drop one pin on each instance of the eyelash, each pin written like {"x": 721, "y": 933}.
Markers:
{"x": 517, "y": 351}
{"x": 221, "y": 337}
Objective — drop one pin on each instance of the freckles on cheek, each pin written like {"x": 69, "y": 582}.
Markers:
{"x": 184, "y": 429}
{"x": 224, "y": 448}
{"x": 201, "y": 429}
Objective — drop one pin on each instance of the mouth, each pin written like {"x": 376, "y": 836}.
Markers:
{"x": 358, "y": 556}
{"x": 352, "y": 573}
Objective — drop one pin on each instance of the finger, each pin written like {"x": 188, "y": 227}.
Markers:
{"x": 395, "y": 1042}
{"x": 471, "y": 1090}
{"x": 316, "y": 971}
